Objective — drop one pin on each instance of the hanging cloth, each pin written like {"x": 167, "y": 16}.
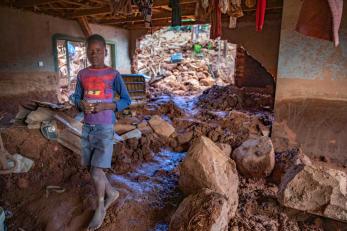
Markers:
{"x": 235, "y": 8}
{"x": 260, "y": 14}
{"x": 321, "y": 19}
{"x": 145, "y": 6}
{"x": 224, "y": 6}
{"x": 250, "y": 3}
{"x": 176, "y": 17}
{"x": 204, "y": 4}
{"x": 201, "y": 13}
{"x": 216, "y": 20}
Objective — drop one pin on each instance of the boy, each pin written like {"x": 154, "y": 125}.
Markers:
{"x": 94, "y": 95}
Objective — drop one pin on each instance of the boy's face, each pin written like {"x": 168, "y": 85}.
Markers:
{"x": 96, "y": 52}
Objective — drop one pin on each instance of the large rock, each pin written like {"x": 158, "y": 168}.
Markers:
{"x": 161, "y": 127}
{"x": 226, "y": 148}
{"x": 316, "y": 190}
{"x": 255, "y": 157}
{"x": 206, "y": 166}
{"x": 204, "y": 211}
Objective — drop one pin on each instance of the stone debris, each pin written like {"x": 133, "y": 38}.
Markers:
{"x": 255, "y": 157}
{"x": 226, "y": 148}
{"x": 207, "y": 166}
{"x": 316, "y": 190}
{"x": 204, "y": 211}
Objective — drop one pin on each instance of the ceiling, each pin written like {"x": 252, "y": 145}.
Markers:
{"x": 119, "y": 14}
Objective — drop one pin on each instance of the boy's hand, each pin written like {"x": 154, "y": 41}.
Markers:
{"x": 104, "y": 106}
{"x": 99, "y": 107}
{"x": 87, "y": 107}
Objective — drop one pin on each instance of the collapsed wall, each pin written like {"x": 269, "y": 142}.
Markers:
{"x": 21, "y": 87}
{"x": 311, "y": 94}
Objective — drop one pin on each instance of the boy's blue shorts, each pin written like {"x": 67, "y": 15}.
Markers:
{"x": 97, "y": 145}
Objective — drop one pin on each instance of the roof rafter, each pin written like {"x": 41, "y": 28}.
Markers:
{"x": 31, "y": 3}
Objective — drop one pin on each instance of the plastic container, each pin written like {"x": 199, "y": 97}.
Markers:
{"x": 176, "y": 58}
{"x": 136, "y": 85}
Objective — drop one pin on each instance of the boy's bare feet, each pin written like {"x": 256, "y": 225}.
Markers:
{"x": 98, "y": 218}
{"x": 111, "y": 197}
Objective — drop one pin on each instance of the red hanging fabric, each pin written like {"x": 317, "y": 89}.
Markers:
{"x": 321, "y": 19}
{"x": 216, "y": 21}
{"x": 260, "y": 14}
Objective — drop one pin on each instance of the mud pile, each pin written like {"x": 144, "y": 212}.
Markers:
{"x": 148, "y": 191}
{"x": 230, "y": 97}
{"x": 145, "y": 171}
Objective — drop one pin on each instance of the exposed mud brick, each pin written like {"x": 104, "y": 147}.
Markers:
{"x": 123, "y": 128}
{"x": 161, "y": 127}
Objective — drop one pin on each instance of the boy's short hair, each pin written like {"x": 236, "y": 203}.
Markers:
{"x": 96, "y": 38}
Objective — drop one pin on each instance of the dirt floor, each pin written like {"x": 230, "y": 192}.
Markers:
{"x": 145, "y": 171}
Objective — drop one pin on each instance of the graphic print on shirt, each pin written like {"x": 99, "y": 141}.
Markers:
{"x": 98, "y": 87}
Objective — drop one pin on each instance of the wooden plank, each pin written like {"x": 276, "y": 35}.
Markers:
{"x": 164, "y": 15}
{"x": 89, "y": 12}
{"x": 83, "y": 22}
{"x": 106, "y": 9}
{"x": 70, "y": 140}
{"x": 31, "y": 3}
{"x": 72, "y": 124}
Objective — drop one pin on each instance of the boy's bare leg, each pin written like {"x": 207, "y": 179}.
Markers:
{"x": 111, "y": 194}
{"x": 99, "y": 177}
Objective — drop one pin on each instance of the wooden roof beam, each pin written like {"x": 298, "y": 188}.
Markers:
{"x": 31, "y": 3}
{"x": 89, "y": 12}
{"x": 185, "y": 12}
{"x": 106, "y": 9}
{"x": 83, "y": 22}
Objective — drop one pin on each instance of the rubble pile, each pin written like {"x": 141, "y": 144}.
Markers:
{"x": 230, "y": 173}
{"x": 193, "y": 73}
